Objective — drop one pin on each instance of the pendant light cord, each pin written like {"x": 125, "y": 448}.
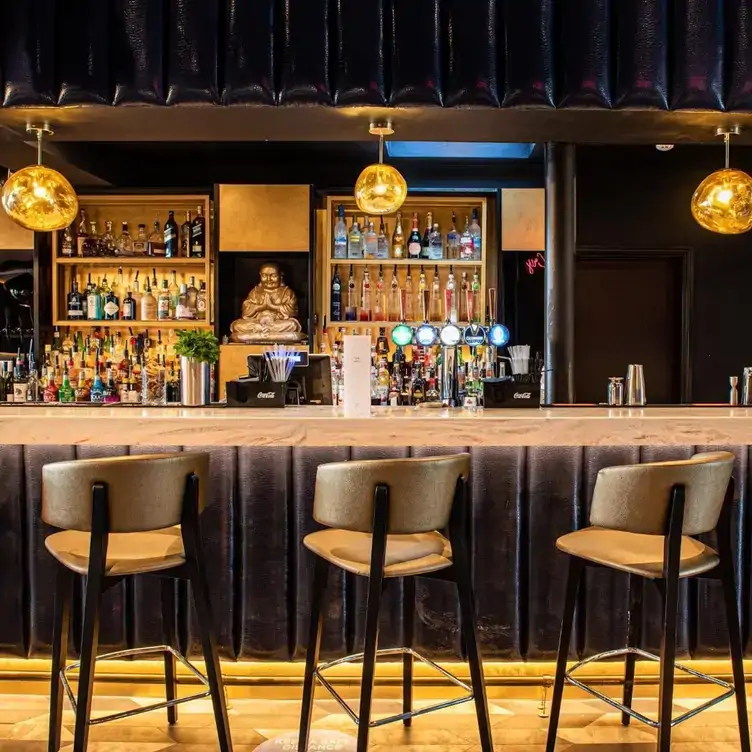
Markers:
{"x": 727, "y": 140}
{"x": 381, "y": 148}
{"x": 39, "y": 146}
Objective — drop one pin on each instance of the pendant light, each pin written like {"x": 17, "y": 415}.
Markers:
{"x": 723, "y": 201}
{"x": 38, "y": 197}
{"x": 380, "y": 188}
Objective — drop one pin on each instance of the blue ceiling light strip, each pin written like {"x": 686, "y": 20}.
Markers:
{"x": 457, "y": 150}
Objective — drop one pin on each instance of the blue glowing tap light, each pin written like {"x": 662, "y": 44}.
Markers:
{"x": 498, "y": 335}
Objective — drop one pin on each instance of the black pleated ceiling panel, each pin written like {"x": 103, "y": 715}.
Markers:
{"x": 137, "y": 49}
{"x": 249, "y": 52}
{"x": 739, "y": 54}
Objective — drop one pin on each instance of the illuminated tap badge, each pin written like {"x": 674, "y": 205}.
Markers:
{"x": 474, "y": 335}
{"x": 402, "y": 335}
{"x": 426, "y": 335}
{"x": 498, "y": 335}
{"x": 450, "y": 335}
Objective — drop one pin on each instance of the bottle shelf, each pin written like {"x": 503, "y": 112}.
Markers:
{"x": 129, "y": 261}
{"x": 333, "y": 325}
{"x": 119, "y": 324}
{"x": 405, "y": 262}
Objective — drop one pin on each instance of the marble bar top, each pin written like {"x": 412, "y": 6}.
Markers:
{"x": 399, "y": 426}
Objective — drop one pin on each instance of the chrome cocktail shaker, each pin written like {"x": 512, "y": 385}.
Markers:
{"x": 635, "y": 385}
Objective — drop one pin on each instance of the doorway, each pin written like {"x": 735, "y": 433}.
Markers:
{"x": 632, "y": 307}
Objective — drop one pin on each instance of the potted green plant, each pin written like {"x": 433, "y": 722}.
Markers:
{"x": 199, "y": 351}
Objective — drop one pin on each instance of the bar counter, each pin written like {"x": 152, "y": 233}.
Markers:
{"x": 386, "y": 427}
{"x": 531, "y": 481}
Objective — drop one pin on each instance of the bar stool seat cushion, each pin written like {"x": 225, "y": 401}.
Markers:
{"x": 417, "y": 553}
{"x": 634, "y": 552}
{"x": 127, "y": 553}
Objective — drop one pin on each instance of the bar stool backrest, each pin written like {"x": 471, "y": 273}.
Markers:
{"x": 144, "y": 492}
{"x": 636, "y": 498}
{"x": 421, "y": 492}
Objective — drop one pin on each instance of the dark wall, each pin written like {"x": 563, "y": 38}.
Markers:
{"x": 639, "y": 198}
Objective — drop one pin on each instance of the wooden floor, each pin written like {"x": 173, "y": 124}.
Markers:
{"x": 586, "y": 726}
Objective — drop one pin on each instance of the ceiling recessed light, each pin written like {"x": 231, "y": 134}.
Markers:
{"x": 664, "y": 147}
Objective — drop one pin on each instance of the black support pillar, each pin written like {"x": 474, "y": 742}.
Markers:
{"x": 561, "y": 208}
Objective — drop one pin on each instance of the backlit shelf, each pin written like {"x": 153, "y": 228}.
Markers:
{"x": 164, "y": 324}
{"x": 128, "y": 261}
{"x": 404, "y": 262}
{"x": 332, "y": 325}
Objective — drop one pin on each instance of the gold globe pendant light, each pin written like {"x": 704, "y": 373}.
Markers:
{"x": 380, "y": 188}
{"x": 723, "y": 201}
{"x": 38, "y": 197}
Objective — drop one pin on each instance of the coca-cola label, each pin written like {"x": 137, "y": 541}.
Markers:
{"x": 523, "y": 395}
{"x": 266, "y": 395}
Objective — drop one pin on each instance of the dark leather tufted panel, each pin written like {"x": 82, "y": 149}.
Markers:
{"x": 739, "y": 52}
{"x": 260, "y": 508}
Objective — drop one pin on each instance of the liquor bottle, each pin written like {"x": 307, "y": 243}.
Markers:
{"x": 435, "y": 312}
{"x": 107, "y": 242}
{"x": 129, "y": 306}
{"x": 466, "y": 243}
{"x": 426, "y": 242}
{"x": 82, "y": 393}
{"x": 171, "y": 237}
{"x": 450, "y": 297}
{"x": 355, "y": 241}
{"x": 148, "y": 304}
{"x": 119, "y": 285}
{"x": 111, "y": 306}
{"x": 453, "y": 239}
{"x": 335, "y": 309}
{"x": 201, "y": 302}
{"x": 422, "y": 297}
{"x": 140, "y": 244}
{"x": 57, "y": 345}
{"x": 432, "y": 393}
{"x": 181, "y": 310}
{"x": 418, "y": 387}
{"x": 351, "y": 310}
{"x": 474, "y": 231}
{"x": 65, "y": 392}
{"x": 32, "y": 379}
{"x": 20, "y": 381}
{"x": 474, "y": 314}
{"x": 154, "y": 283}
{"x": 464, "y": 290}
{"x": 174, "y": 291}
{"x": 192, "y": 292}
{"x": 435, "y": 244}
{"x": 185, "y": 236}
{"x": 382, "y": 383}
{"x": 155, "y": 246}
{"x": 382, "y": 242}
{"x": 90, "y": 245}
{"x": 382, "y": 344}
{"x": 379, "y": 313}
{"x": 75, "y": 304}
{"x": 395, "y": 298}
{"x": 365, "y": 297}
{"x": 172, "y": 387}
{"x": 340, "y": 234}
{"x": 7, "y": 382}
{"x": 66, "y": 245}
{"x": 408, "y": 297}
{"x": 50, "y": 393}
{"x": 136, "y": 295}
{"x": 82, "y": 232}
{"x": 198, "y": 234}
{"x": 398, "y": 239}
{"x": 124, "y": 242}
{"x": 94, "y": 310}
{"x": 111, "y": 392}
{"x": 370, "y": 242}
{"x": 163, "y": 302}
{"x": 97, "y": 388}
{"x": 414, "y": 242}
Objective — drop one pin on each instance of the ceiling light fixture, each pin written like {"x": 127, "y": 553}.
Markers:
{"x": 38, "y": 197}
{"x": 380, "y": 188}
{"x": 723, "y": 201}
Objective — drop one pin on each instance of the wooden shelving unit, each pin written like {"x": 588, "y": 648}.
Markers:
{"x": 134, "y": 209}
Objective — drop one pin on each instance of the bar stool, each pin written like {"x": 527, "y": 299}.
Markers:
{"x": 642, "y": 517}
{"x": 120, "y": 517}
{"x": 383, "y": 517}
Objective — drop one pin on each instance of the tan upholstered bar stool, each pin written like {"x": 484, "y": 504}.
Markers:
{"x": 383, "y": 517}
{"x": 642, "y": 520}
{"x": 120, "y": 517}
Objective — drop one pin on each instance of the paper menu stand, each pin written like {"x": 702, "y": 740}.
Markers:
{"x": 357, "y": 375}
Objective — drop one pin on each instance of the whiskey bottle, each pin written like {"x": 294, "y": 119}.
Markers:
{"x": 192, "y": 292}
{"x": 185, "y": 236}
{"x": 129, "y": 306}
{"x": 414, "y": 242}
{"x": 90, "y": 243}
{"x": 201, "y": 302}
{"x": 398, "y": 239}
{"x": 163, "y": 302}
{"x": 382, "y": 241}
{"x": 335, "y": 309}
{"x": 148, "y": 304}
{"x": 107, "y": 241}
{"x": 453, "y": 239}
{"x": 340, "y": 234}
{"x": 124, "y": 242}
{"x": 156, "y": 245}
{"x": 75, "y": 304}
{"x": 141, "y": 241}
{"x": 426, "y": 242}
{"x": 171, "y": 238}
{"x": 351, "y": 310}
{"x": 198, "y": 234}
{"x": 82, "y": 393}
{"x": 66, "y": 245}
{"x": 82, "y": 232}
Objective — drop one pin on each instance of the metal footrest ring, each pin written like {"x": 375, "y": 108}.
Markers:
{"x": 127, "y": 654}
{"x": 649, "y": 656}
{"x": 401, "y": 716}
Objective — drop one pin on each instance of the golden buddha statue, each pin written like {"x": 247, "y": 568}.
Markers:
{"x": 269, "y": 311}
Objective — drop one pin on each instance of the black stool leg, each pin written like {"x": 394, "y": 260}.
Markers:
{"x": 634, "y": 635}
{"x": 61, "y": 626}
{"x": 567, "y": 622}
{"x": 735, "y": 643}
{"x": 170, "y": 663}
{"x": 470, "y": 637}
{"x": 408, "y": 622}
{"x": 315, "y": 629}
{"x": 369, "y": 656}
